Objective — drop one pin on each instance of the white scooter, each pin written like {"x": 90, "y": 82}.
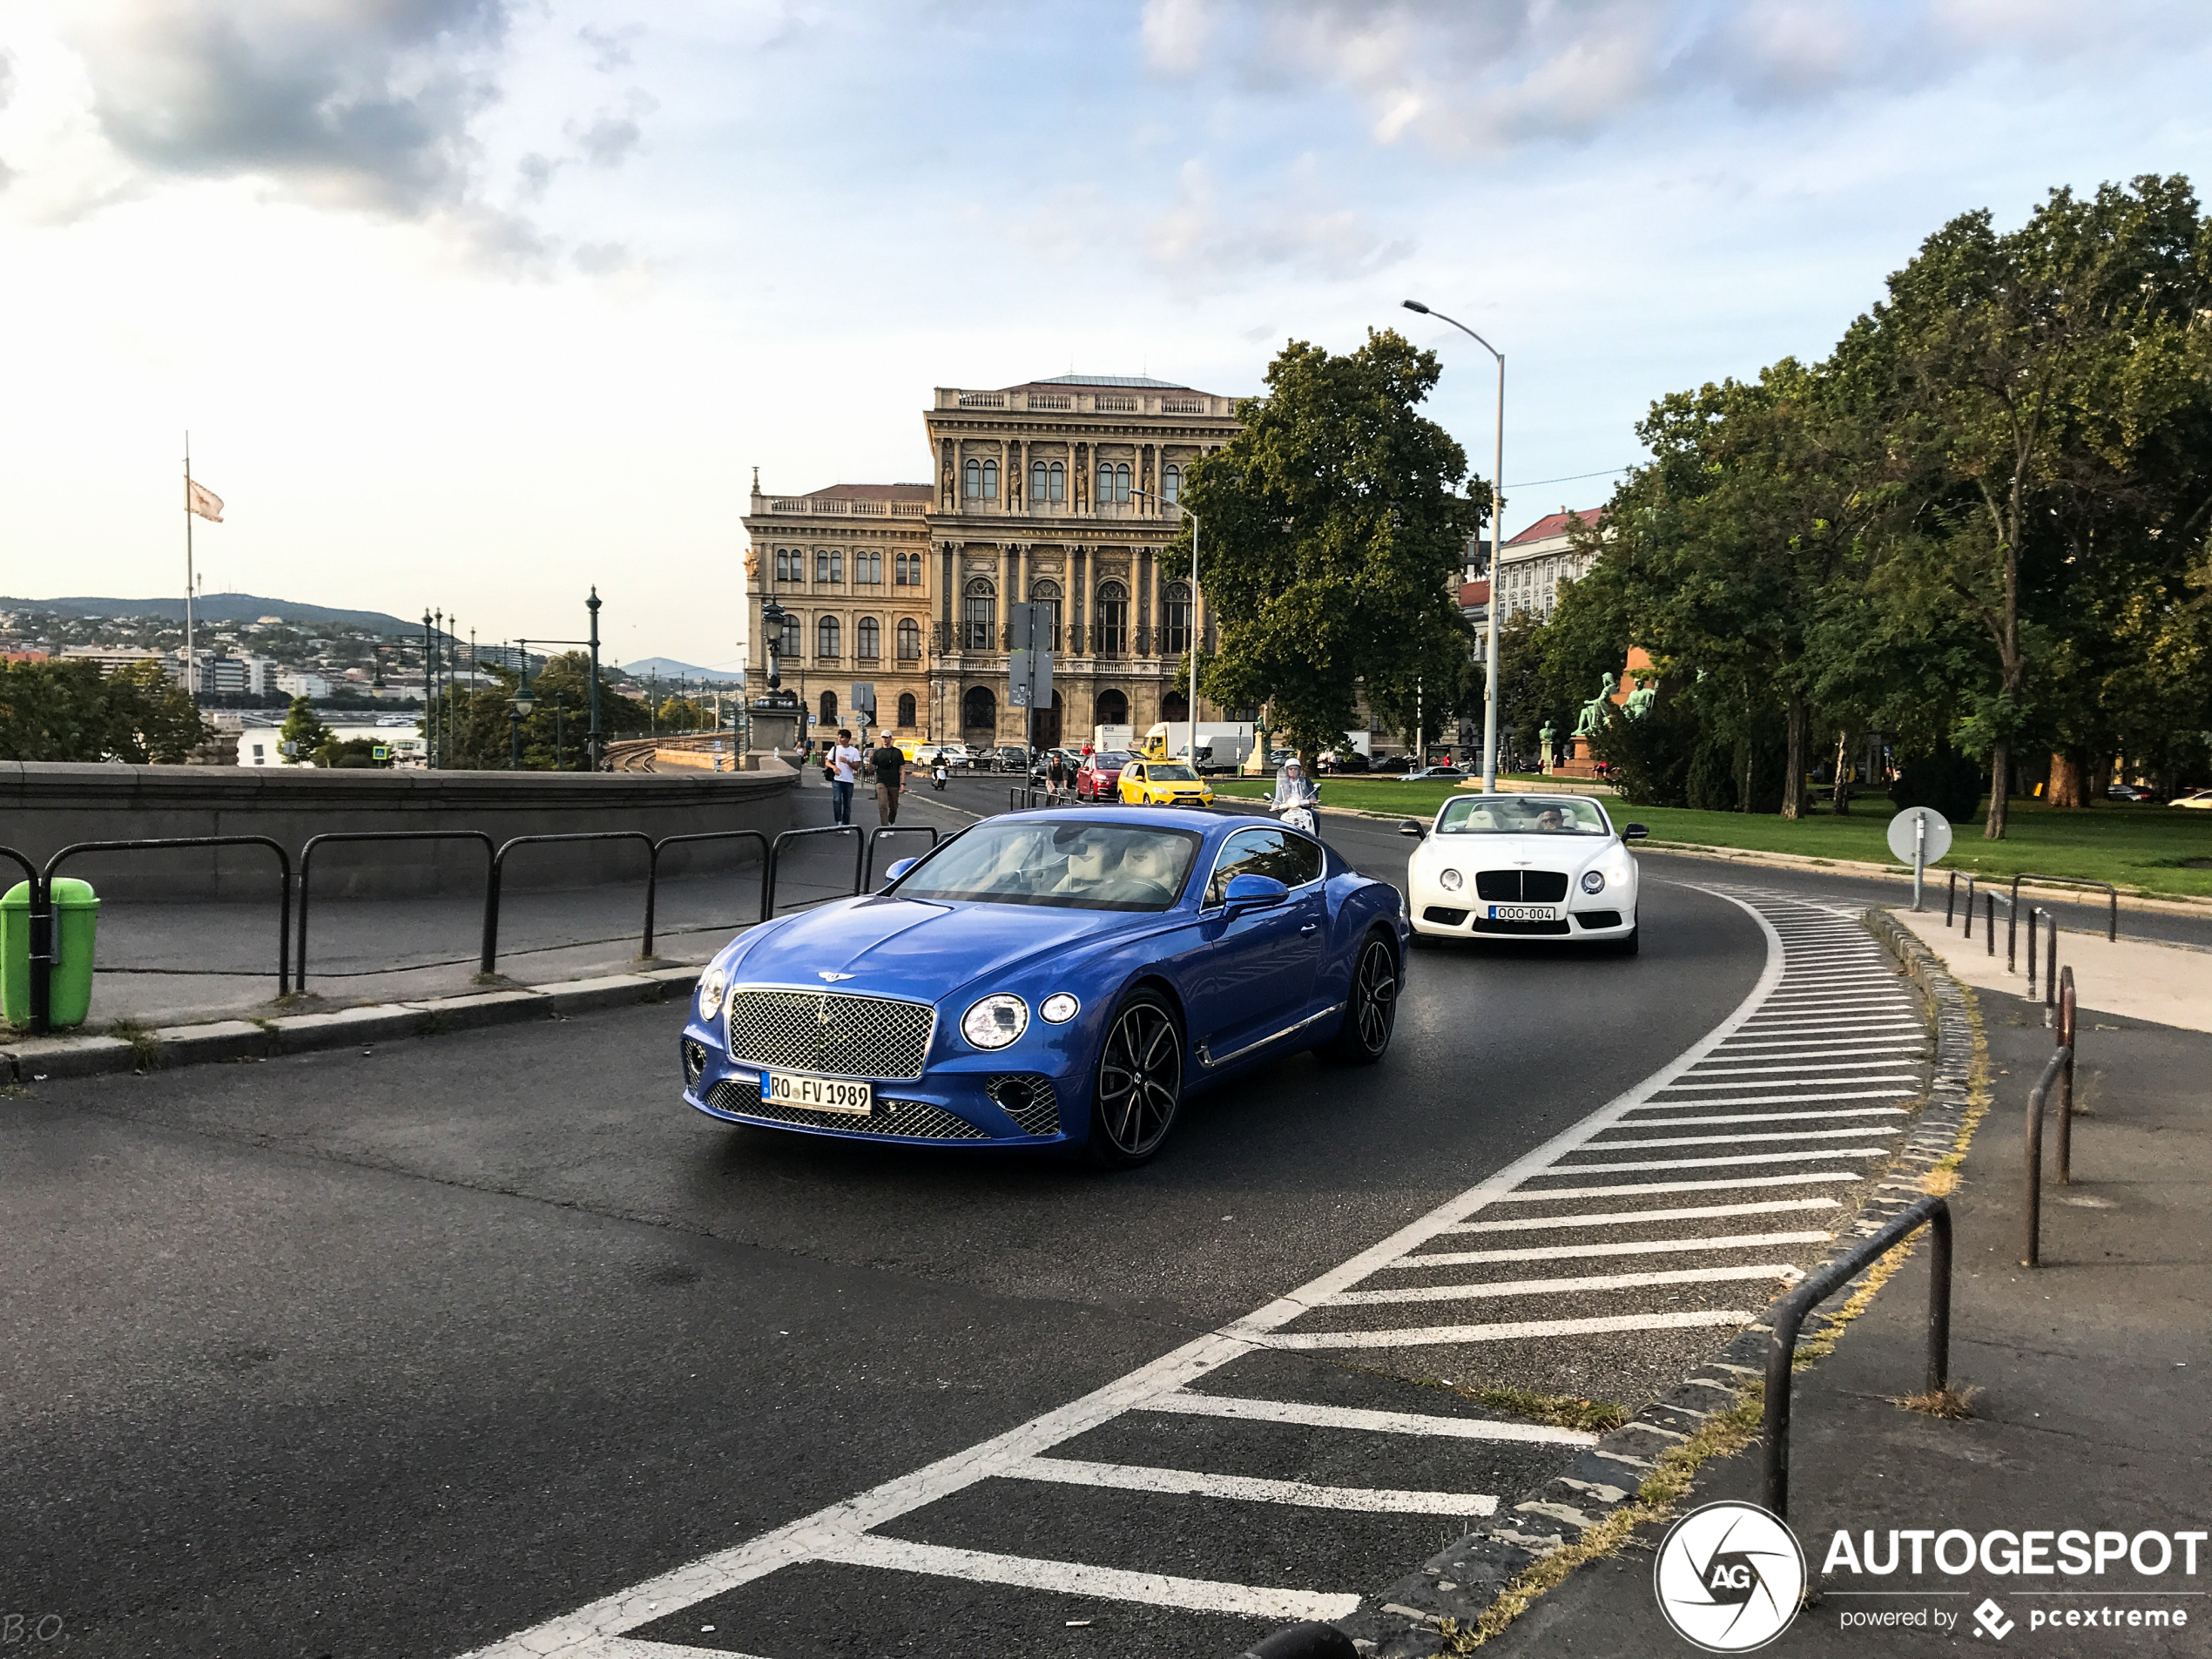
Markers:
{"x": 937, "y": 777}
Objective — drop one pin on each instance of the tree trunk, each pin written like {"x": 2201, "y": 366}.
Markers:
{"x": 2069, "y": 785}
{"x": 1839, "y": 799}
{"x": 1793, "y": 758}
{"x": 2001, "y": 775}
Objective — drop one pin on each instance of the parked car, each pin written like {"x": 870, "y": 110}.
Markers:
{"x": 954, "y": 755}
{"x": 1099, "y": 777}
{"x": 1430, "y": 773}
{"x": 2196, "y": 799}
{"x": 2136, "y": 792}
{"x": 1393, "y": 763}
{"x": 1010, "y": 756}
{"x": 1350, "y": 760}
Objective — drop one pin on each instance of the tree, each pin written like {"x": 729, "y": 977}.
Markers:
{"x": 63, "y": 710}
{"x": 1334, "y": 535}
{"x": 304, "y": 729}
{"x": 151, "y": 717}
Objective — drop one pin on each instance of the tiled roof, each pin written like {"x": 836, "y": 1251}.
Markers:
{"x": 1553, "y": 524}
{"x": 876, "y": 492}
{"x": 1108, "y": 380}
{"x": 1474, "y": 593}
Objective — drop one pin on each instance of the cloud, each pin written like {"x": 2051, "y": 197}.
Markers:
{"x": 350, "y": 102}
{"x": 610, "y": 139}
{"x": 1487, "y": 76}
{"x": 1203, "y": 241}
{"x": 609, "y": 47}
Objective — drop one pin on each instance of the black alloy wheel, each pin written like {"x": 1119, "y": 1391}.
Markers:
{"x": 1372, "y": 1013}
{"x": 1139, "y": 1085}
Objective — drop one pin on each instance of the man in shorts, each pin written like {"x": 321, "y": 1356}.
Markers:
{"x": 890, "y": 769}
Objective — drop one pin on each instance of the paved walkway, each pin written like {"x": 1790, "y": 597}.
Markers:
{"x": 2091, "y": 1372}
{"x": 2135, "y": 979}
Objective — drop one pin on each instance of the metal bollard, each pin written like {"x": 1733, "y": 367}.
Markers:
{"x": 2031, "y": 1216}
{"x": 2065, "y": 1033}
{"x": 2050, "y": 967}
{"x": 1304, "y": 1641}
{"x": 1951, "y": 901}
{"x": 2012, "y": 936}
{"x": 2033, "y": 911}
{"x": 1989, "y": 924}
{"x": 1968, "y": 919}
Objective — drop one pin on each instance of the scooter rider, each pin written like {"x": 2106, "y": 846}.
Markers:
{"x": 1295, "y": 798}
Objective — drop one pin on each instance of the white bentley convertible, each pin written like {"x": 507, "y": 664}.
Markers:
{"x": 1524, "y": 866}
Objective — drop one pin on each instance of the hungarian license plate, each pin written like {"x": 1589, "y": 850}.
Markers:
{"x": 816, "y": 1094}
{"x": 1523, "y": 912}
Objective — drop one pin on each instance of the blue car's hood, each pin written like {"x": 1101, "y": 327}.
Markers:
{"x": 907, "y": 948}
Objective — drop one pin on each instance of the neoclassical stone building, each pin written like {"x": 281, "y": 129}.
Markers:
{"x": 1053, "y": 490}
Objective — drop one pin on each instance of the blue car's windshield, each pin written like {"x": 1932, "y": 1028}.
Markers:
{"x": 1057, "y": 861}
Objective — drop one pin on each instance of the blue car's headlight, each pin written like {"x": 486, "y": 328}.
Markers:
{"x": 996, "y": 1022}
{"x": 1059, "y": 1008}
{"x": 712, "y": 984}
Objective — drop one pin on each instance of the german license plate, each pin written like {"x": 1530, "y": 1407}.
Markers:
{"x": 816, "y": 1094}
{"x": 1523, "y": 912}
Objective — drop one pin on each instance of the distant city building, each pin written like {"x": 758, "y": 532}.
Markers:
{"x": 111, "y": 657}
{"x": 1536, "y": 562}
{"x": 264, "y": 746}
{"x": 297, "y": 683}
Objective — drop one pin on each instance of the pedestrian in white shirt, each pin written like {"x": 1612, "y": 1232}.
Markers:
{"x": 845, "y": 772}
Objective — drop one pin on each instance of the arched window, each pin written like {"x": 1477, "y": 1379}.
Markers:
{"x": 1175, "y": 706}
{"x": 905, "y": 711}
{"x": 867, "y": 565}
{"x": 1175, "y": 605}
{"x": 1037, "y": 480}
{"x": 908, "y": 570}
{"x": 909, "y": 640}
{"x": 792, "y": 644}
{"x": 826, "y": 632}
{"x": 1113, "y": 619}
{"x": 1112, "y": 709}
{"x": 990, "y": 481}
{"x": 1105, "y": 480}
{"x": 976, "y": 608}
{"x": 1171, "y": 481}
{"x": 1120, "y": 481}
{"x": 974, "y": 475}
{"x": 979, "y": 714}
{"x": 787, "y": 566}
{"x": 1047, "y": 592}
{"x": 866, "y": 639}
{"x": 829, "y": 708}
{"x": 1055, "y": 483}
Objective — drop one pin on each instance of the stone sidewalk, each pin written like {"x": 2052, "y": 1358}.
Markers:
{"x": 2092, "y": 1374}
{"x": 2135, "y": 979}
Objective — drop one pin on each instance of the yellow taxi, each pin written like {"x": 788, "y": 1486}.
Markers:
{"x": 1162, "y": 783}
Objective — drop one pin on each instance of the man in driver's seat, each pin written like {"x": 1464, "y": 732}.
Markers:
{"x": 1550, "y": 821}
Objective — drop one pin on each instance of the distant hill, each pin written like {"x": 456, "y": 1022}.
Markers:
{"x": 668, "y": 668}
{"x": 219, "y": 607}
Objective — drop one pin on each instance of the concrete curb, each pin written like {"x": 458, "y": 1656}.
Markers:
{"x": 1461, "y": 1582}
{"x": 38, "y": 1059}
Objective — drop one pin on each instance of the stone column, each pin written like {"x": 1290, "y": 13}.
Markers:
{"x": 1144, "y": 597}
{"x": 1078, "y": 611}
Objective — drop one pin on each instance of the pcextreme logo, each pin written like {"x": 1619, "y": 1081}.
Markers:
{"x": 1728, "y": 1577}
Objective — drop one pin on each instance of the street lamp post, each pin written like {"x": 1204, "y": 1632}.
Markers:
{"x": 1497, "y": 550}
{"x": 1148, "y": 495}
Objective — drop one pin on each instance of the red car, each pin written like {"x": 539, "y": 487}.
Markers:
{"x": 1098, "y": 778}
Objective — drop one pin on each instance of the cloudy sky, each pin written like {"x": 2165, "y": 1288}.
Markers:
{"x": 474, "y": 303}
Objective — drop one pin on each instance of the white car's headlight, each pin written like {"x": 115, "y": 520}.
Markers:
{"x": 1594, "y": 881}
{"x": 1450, "y": 880}
{"x": 996, "y": 1022}
{"x": 712, "y": 985}
{"x": 1060, "y": 1007}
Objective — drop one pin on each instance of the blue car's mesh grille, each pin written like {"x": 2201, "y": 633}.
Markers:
{"x": 1028, "y": 1100}
{"x": 913, "y": 1119}
{"x": 833, "y": 1032}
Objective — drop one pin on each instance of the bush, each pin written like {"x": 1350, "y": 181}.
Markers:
{"x": 1649, "y": 754}
{"x": 1946, "y": 780}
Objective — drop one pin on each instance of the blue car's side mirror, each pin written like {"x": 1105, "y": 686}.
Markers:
{"x": 1634, "y": 832}
{"x": 900, "y": 868}
{"x": 1250, "y": 892}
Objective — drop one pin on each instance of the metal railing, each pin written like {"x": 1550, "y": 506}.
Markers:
{"x": 39, "y": 922}
{"x": 2111, "y": 893}
{"x": 867, "y": 856}
{"x": 1790, "y": 1317}
{"x": 490, "y": 955}
{"x": 41, "y": 961}
{"x": 307, "y": 862}
{"x": 2058, "y": 1069}
{"x": 776, "y": 852}
{"x": 652, "y": 872}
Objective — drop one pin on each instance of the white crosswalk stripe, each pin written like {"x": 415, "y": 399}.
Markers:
{"x": 1819, "y": 1067}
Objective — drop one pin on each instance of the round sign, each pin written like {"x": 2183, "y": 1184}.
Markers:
{"x": 1901, "y": 833}
{"x": 1728, "y": 1577}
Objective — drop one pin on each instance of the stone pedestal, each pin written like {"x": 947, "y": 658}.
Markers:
{"x": 774, "y": 730}
{"x": 1580, "y": 764}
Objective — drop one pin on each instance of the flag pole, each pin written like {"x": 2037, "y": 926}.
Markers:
{"x": 192, "y": 663}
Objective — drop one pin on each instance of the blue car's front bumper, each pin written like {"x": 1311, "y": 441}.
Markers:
{"x": 981, "y": 1100}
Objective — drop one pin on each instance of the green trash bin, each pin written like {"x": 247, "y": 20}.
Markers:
{"x": 76, "y": 914}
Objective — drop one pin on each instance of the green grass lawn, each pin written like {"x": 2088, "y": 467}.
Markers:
{"x": 2148, "y": 849}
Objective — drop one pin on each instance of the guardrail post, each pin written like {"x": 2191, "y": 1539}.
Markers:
{"x": 1968, "y": 919}
{"x": 42, "y": 900}
{"x": 2050, "y": 966}
{"x": 1790, "y": 1315}
{"x": 307, "y": 865}
{"x": 1951, "y": 901}
{"x": 2031, "y": 1216}
{"x": 2065, "y": 1036}
{"x": 41, "y": 986}
{"x": 1989, "y": 924}
{"x": 2013, "y": 933}
{"x": 2034, "y": 911}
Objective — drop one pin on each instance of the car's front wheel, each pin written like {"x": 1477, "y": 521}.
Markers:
{"x": 1138, "y": 1086}
{"x": 1370, "y": 1014}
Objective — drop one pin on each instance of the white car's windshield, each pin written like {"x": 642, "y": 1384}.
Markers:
{"x": 1523, "y": 815}
{"x": 1050, "y": 861}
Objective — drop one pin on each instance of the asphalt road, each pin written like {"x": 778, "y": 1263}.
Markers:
{"x": 396, "y": 1352}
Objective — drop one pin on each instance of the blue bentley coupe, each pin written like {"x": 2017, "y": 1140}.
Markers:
{"x": 1044, "y": 978}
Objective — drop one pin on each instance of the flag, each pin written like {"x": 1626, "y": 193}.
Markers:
{"x": 203, "y": 501}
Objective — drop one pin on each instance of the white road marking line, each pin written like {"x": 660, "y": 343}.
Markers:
{"x": 1800, "y": 1180}
{"x": 1183, "y": 1403}
{"x": 1380, "y": 1501}
{"x": 1763, "y": 1117}
{"x": 1781, "y": 1024}
{"x": 1562, "y": 1286}
{"x": 1628, "y": 1218}
{"x": 1860, "y": 1130}
{"x": 1716, "y": 1163}
{"x": 1634, "y": 1247}
{"x": 1791, "y": 1099}
{"x": 1782, "y": 1049}
{"x": 1780, "y": 1066}
{"x": 1761, "y": 1081}
{"x": 626, "y": 1648}
{"x": 1527, "y": 1329}
{"x": 1079, "y": 1578}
